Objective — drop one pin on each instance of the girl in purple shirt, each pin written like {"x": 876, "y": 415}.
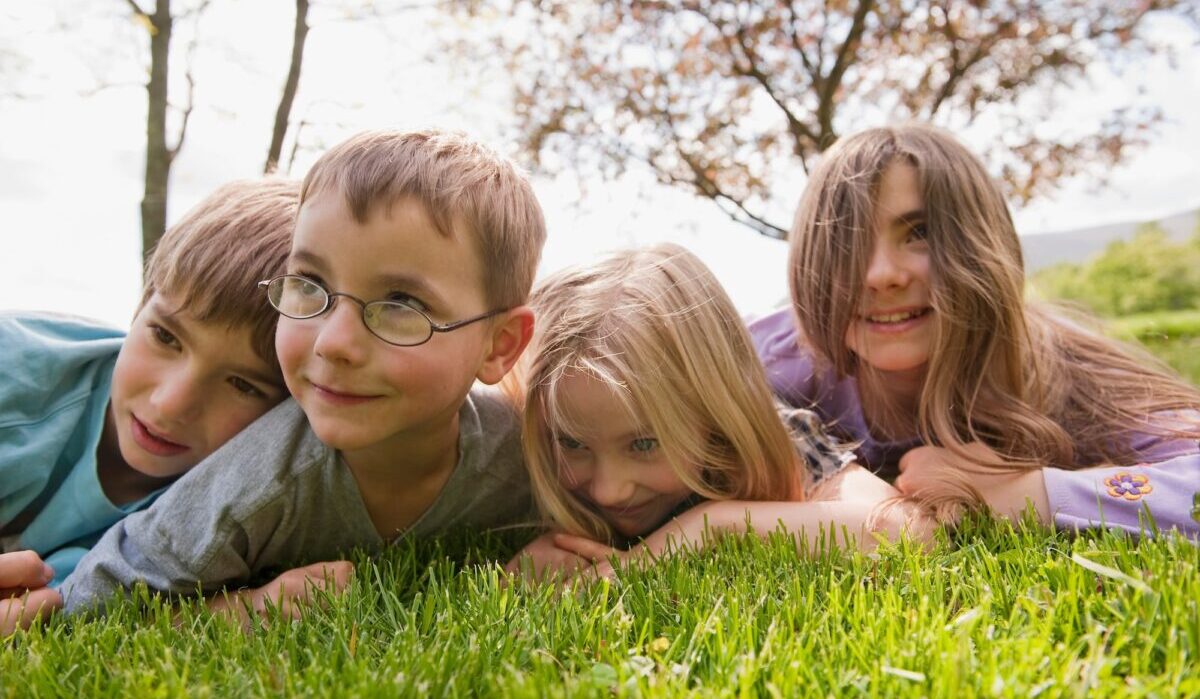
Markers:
{"x": 908, "y": 282}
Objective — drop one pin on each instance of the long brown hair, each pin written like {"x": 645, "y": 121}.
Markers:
{"x": 1032, "y": 383}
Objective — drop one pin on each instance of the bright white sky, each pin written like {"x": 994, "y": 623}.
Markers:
{"x": 71, "y": 158}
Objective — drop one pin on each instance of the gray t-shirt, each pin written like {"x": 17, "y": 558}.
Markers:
{"x": 275, "y": 495}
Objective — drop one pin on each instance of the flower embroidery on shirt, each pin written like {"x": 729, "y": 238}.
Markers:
{"x": 1128, "y": 486}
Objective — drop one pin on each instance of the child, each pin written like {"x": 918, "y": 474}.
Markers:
{"x": 645, "y": 396}
{"x": 94, "y": 425}
{"x": 406, "y": 283}
{"x": 907, "y": 283}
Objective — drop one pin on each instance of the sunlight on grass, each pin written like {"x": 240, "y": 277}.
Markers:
{"x": 993, "y": 611}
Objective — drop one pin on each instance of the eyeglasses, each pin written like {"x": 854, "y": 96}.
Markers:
{"x": 394, "y": 322}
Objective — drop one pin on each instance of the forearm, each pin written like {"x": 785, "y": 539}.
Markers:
{"x": 1121, "y": 496}
{"x": 847, "y": 523}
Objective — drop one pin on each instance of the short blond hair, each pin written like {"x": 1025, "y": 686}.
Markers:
{"x": 211, "y": 261}
{"x": 457, "y": 181}
{"x": 656, "y": 327}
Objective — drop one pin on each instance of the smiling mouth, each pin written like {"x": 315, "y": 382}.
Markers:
{"x": 340, "y": 397}
{"x": 151, "y": 441}
{"x": 898, "y": 317}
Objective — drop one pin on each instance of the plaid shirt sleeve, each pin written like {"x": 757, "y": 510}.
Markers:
{"x": 822, "y": 454}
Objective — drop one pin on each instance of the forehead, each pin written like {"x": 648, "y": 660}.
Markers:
{"x": 399, "y": 241}
{"x": 593, "y": 409}
{"x": 899, "y": 191}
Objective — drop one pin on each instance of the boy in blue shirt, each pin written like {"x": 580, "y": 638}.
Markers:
{"x": 94, "y": 425}
{"x": 412, "y": 260}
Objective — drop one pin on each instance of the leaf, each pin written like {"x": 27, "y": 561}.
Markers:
{"x": 903, "y": 674}
{"x": 1112, "y": 573}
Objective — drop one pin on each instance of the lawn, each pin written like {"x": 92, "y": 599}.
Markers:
{"x": 992, "y": 612}
{"x": 996, "y": 612}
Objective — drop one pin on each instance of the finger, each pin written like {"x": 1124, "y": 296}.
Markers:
{"x": 24, "y": 570}
{"x": 21, "y": 612}
{"x": 333, "y": 576}
{"x": 582, "y": 546}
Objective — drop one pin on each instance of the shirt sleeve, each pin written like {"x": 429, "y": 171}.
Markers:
{"x": 175, "y": 546}
{"x": 822, "y": 454}
{"x": 1166, "y": 494}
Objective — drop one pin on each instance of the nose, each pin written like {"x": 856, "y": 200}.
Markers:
{"x": 178, "y": 397}
{"x": 341, "y": 337}
{"x": 885, "y": 269}
{"x": 611, "y": 485}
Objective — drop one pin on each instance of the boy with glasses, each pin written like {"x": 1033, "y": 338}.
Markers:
{"x": 411, "y": 263}
{"x": 94, "y": 425}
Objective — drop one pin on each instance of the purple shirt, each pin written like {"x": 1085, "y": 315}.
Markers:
{"x": 1109, "y": 496}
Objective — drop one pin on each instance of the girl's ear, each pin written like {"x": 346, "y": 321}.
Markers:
{"x": 510, "y": 335}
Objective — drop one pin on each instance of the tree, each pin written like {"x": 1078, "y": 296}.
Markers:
{"x": 1146, "y": 273}
{"x": 159, "y": 156}
{"x": 727, "y": 97}
{"x": 283, "y": 113}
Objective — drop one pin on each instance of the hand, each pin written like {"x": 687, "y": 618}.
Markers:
{"x": 600, "y": 556}
{"x": 541, "y": 559}
{"x": 24, "y": 596}
{"x": 290, "y": 593}
{"x": 949, "y": 482}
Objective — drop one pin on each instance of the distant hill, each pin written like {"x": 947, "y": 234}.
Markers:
{"x": 1045, "y": 249}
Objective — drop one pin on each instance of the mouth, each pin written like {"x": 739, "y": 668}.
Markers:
{"x": 896, "y": 319}
{"x": 627, "y": 511}
{"x": 339, "y": 396}
{"x": 154, "y": 441}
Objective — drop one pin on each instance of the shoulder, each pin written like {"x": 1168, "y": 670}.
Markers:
{"x": 790, "y": 367}
{"x": 253, "y": 466}
{"x": 48, "y": 338}
{"x": 490, "y": 433}
{"x": 48, "y": 361}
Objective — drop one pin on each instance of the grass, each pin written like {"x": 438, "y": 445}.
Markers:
{"x": 1172, "y": 336}
{"x": 995, "y": 612}
{"x": 998, "y": 612}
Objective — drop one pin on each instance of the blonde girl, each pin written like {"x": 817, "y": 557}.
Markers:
{"x": 643, "y": 397}
{"x": 910, "y": 331}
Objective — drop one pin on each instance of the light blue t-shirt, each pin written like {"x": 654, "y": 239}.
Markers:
{"x": 55, "y": 381}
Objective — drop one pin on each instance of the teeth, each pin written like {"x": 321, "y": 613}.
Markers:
{"x": 892, "y": 317}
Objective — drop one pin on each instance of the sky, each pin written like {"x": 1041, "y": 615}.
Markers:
{"x": 72, "y": 130}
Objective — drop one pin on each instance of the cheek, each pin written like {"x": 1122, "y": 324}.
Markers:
{"x": 133, "y": 371}
{"x": 663, "y": 479}
{"x": 293, "y": 343}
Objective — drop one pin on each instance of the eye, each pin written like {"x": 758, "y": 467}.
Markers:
{"x": 406, "y": 299}
{"x": 917, "y": 233}
{"x": 245, "y": 387}
{"x": 570, "y": 443}
{"x": 643, "y": 445}
{"x": 164, "y": 337}
{"x": 308, "y": 284}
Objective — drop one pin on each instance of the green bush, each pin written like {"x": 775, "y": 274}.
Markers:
{"x": 1149, "y": 272}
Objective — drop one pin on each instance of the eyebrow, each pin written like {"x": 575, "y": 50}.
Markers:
{"x": 909, "y": 217}
{"x": 171, "y": 319}
{"x": 415, "y": 285}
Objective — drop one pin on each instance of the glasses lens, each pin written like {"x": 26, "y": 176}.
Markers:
{"x": 297, "y": 297}
{"x": 397, "y": 323}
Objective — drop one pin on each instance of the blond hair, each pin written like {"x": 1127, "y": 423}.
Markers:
{"x": 211, "y": 261}
{"x": 463, "y": 186}
{"x": 1023, "y": 379}
{"x": 656, "y": 327}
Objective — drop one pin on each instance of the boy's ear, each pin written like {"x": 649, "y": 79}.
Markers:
{"x": 510, "y": 335}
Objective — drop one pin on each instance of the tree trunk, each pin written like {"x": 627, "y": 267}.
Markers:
{"x": 158, "y": 155}
{"x": 283, "y": 114}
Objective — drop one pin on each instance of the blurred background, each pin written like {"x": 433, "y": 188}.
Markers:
{"x": 686, "y": 120}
